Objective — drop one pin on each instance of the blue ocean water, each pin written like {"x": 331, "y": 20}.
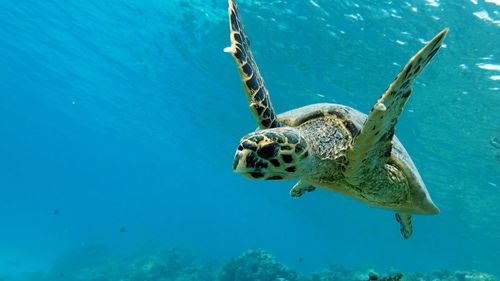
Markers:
{"x": 119, "y": 121}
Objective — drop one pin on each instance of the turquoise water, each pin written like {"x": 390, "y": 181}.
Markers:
{"x": 119, "y": 121}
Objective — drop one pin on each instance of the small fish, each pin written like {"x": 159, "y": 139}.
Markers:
{"x": 301, "y": 259}
{"x": 122, "y": 229}
{"x": 55, "y": 212}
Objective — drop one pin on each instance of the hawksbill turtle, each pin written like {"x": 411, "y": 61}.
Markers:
{"x": 330, "y": 146}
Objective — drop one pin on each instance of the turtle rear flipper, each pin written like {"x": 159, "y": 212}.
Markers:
{"x": 255, "y": 89}
{"x": 372, "y": 148}
{"x": 405, "y": 222}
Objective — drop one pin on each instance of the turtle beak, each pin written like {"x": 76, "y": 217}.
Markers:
{"x": 247, "y": 163}
{"x": 239, "y": 161}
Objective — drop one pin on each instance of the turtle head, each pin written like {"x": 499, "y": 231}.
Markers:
{"x": 271, "y": 154}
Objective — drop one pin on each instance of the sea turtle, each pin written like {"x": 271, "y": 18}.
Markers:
{"x": 330, "y": 146}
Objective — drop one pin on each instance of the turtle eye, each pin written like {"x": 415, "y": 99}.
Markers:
{"x": 268, "y": 150}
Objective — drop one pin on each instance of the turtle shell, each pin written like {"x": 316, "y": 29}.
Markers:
{"x": 353, "y": 120}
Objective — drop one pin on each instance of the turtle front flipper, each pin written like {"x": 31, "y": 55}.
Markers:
{"x": 372, "y": 147}
{"x": 405, "y": 222}
{"x": 300, "y": 188}
{"x": 255, "y": 89}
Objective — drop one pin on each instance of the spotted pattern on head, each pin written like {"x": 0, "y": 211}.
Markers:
{"x": 253, "y": 83}
{"x": 372, "y": 147}
{"x": 280, "y": 151}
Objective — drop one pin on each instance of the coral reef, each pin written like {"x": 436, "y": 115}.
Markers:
{"x": 96, "y": 263}
{"x": 393, "y": 277}
{"x": 452, "y": 276}
{"x": 257, "y": 265}
{"x": 160, "y": 263}
{"x": 338, "y": 273}
{"x": 173, "y": 265}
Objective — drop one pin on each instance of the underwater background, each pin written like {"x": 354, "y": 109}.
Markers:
{"x": 119, "y": 121}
